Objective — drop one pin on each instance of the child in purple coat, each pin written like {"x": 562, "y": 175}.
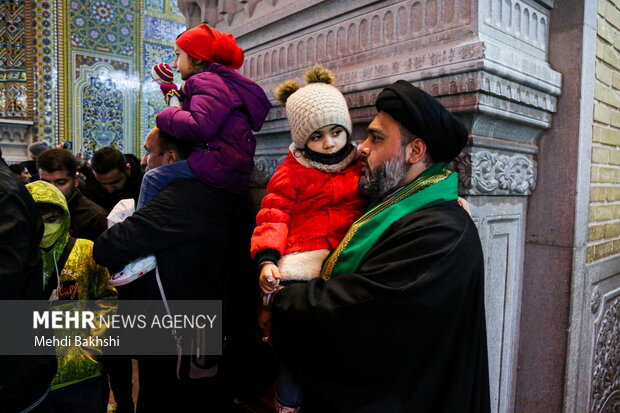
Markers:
{"x": 219, "y": 110}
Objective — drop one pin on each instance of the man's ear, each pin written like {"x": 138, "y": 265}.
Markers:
{"x": 128, "y": 169}
{"x": 76, "y": 180}
{"x": 415, "y": 151}
{"x": 172, "y": 156}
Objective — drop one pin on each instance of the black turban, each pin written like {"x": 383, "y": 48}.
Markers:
{"x": 420, "y": 113}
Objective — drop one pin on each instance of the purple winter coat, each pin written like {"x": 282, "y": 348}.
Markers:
{"x": 221, "y": 107}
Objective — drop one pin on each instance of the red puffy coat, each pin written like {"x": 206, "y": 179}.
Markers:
{"x": 306, "y": 209}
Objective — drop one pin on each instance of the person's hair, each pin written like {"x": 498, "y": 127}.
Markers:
{"x": 107, "y": 159}
{"x": 134, "y": 164}
{"x": 198, "y": 65}
{"x": 17, "y": 168}
{"x": 168, "y": 142}
{"x": 406, "y": 136}
{"x": 58, "y": 160}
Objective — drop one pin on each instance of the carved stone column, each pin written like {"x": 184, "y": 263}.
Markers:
{"x": 485, "y": 60}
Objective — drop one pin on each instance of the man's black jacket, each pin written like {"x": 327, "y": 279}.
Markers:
{"x": 188, "y": 226}
{"x": 404, "y": 333}
{"x": 201, "y": 238}
{"x": 23, "y": 379}
{"x": 88, "y": 220}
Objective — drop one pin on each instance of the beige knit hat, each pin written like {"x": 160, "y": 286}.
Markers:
{"x": 313, "y": 106}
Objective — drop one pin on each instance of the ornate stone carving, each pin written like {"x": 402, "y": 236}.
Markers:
{"x": 14, "y": 133}
{"x": 488, "y": 173}
{"x": 395, "y": 24}
{"x": 595, "y": 300}
{"x": 13, "y": 100}
{"x": 458, "y": 84}
{"x": 15, "y": 138}
{"x": 519, "y": 20}
{"x": 606, "y": 371}
{"x": 264, "y": 167}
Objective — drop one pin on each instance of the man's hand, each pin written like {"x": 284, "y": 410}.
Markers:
{"x": 269, "y": 278}
{"x": 464, "y": 204}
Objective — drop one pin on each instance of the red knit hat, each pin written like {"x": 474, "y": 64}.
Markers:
{"x": 206, "y": 43}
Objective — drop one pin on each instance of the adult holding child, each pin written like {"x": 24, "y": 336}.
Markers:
{"x": 219, "y": 110}
{"x": 396, "y": 321}
{"x": 199, "y": 235}
{"x": 312, "y": 198}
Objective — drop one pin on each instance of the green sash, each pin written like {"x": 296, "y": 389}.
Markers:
{"x": 434, "y": 185}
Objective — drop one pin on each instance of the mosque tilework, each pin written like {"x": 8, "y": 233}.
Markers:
{"x": 92, "y": 61}
{"x": 160, "y": 33}
{"x": 102, "y": 36}
{"x": 160, "y": 29}
{"x": 13, "y": 97}
{"x": 152, "y": 97}
{"x": 13, "y": 100}
{"x": 46, "y": 75}
{"x": 104, "y": 88}
{"x": 102, "y": 115}
{"x": 103, "y": 26}
{"x": 174, "y": 8}
{"x": 157, "y": 6}
{"x": 12, "y": 40}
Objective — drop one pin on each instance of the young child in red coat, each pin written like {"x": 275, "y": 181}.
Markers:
{"x": 312, "y": 198}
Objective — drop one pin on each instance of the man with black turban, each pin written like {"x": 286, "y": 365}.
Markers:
{"x": 396, "y": 322}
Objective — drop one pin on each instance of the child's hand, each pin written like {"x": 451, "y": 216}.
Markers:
{"x": 269, "y": 278}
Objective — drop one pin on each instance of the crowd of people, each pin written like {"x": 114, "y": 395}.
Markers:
{"x": 360, "y": 280}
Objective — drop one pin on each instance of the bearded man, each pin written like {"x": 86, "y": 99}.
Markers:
{"x": 396, "y": 322}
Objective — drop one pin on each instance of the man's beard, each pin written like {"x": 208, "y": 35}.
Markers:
{"x": 385, "y": 178}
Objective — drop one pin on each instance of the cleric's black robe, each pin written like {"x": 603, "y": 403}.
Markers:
{"x": 404, "y": 333}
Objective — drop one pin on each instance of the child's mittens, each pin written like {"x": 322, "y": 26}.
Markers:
{"x": 162, "y": 73}
{"x": 173, "y": 98}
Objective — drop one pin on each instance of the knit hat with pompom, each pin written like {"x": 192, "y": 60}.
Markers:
{"x": 313, "y": 106}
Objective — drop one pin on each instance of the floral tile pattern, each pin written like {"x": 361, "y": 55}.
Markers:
{"x": 92, "y": 61}
{"x": 103, "y": 26}
{"x": 13, "y": 98}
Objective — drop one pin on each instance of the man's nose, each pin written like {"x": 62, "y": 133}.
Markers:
{"x": 364, "y": 148}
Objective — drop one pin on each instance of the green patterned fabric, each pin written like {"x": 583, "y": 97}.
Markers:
{"x": 92, "y": 284}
